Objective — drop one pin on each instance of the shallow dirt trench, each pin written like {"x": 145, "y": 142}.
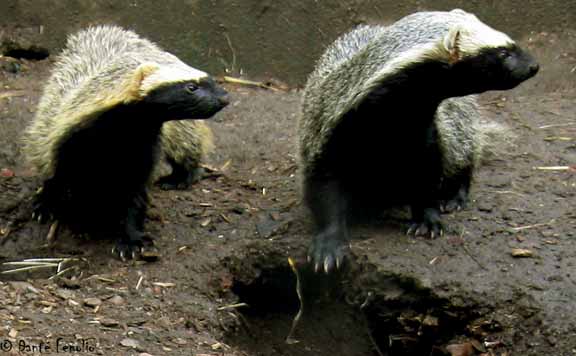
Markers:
{"x": 397, "y": 317}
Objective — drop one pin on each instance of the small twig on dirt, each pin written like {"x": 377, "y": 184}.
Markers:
{"x": 211, "y": 172}
{"x": 492, "y": 344}
{"x": 31, "y": 268}
{"x": 290, "y": 338}
{"x": 62, "y": 272}
{"x": 558, "y": 138}
{"x": 225, "y": 218}
{"x": 232, "y": 306}
{"x": 366, "y": 302}
{"x": 508, "y": 192}
{"x": 31, "y": 263}
{"x": 555, "y": 168}
{"x": 101, "y": 279}
{"x": 526, "y": 227}
{"x": 139, "y": 282}
{"x": 468, "y": 252}
{"x": 225, "y": 165}
{"x": 47, "y": 259}
{"x": 556, "y": 125}
{"x": 11, "y": 94}
{"x": 249, "y": 83}
{"x": 164, "y": 284}
{"x": 42, "y": 263}
{"x": 231, "y": 50}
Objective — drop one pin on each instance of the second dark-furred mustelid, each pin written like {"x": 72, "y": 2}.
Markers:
{"x": 385, "y": 121}
{"x": 97, "y": 131}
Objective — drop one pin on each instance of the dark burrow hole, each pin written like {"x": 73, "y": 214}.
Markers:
{"x": 32, "y": 53}
{"x": 273, "y": 291}
{"x": 398, "y": 319}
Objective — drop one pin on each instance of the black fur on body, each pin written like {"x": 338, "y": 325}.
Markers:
{"x": 102, "y": 168}
{"x": 385, "y": 151}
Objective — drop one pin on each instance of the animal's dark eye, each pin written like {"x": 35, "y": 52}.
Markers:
{"x": 191, "y": 87}
{"x": 503, "y": 53}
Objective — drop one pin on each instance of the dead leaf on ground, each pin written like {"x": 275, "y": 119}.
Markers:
{"x": 465, "y": 349}
{"x": 92, "y": 302}
{"x": 134, "y": 344}
{"x": 522, "y": 252}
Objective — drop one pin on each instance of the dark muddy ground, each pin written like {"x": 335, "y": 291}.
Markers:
{"x": 226, "y": 241}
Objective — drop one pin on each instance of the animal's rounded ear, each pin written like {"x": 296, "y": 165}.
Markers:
{"x": 452, "y": 44}
{"x": 143, "y": 71}
{"x": 137, "y": 80}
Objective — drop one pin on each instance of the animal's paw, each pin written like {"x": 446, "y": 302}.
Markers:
{"x": 458, "y": 202}
{"x": 41, "y": 210}
{"x": 328, "y": 251}
{"x": 141, "y": 248}
{"x": 180, "y": 180}
{"x": 430, "y": 225}
{"x": 165, "y": 183}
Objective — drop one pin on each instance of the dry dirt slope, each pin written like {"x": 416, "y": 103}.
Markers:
{"x": 226, "y": 241}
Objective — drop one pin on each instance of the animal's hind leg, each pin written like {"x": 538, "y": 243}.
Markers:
{"x": 455, "y": 190}
{"x": 181, "y": 177}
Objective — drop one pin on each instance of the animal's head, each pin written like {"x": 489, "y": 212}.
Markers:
{"x": 182, "y": 93}
{"x": 485, "y": 59}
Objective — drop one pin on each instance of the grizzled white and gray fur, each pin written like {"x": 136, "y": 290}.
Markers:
{"x": 86, "y": 55}
{"x": 388, "y": 119}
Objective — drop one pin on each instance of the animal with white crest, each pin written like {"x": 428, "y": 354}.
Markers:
{"x": 106, "y": 110}
{"x": 389, "y": 119}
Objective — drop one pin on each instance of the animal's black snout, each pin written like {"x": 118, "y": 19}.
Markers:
{"x": 224, "y": 100}
{"x": 534, "y": 68}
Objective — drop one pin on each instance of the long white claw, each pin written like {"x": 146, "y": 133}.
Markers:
{"x": 432, "y": 234}
{"x": 316, "y": 267}
{"x": 326, "y": 265}
{"x": 39, "y": 218}
{"x": 33, "y": 215}
{"x": 441, "y": 232}
{"x": 338, "y": 262}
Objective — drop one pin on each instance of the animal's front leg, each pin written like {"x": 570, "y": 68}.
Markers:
{"x": 328, "y": 205}
{"x": 425, "y": 202}
{"x": 132, "y": 242}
